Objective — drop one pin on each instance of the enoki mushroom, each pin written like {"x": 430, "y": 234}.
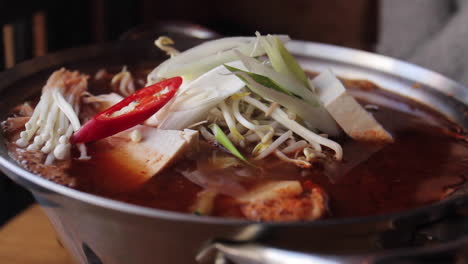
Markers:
{"x": 55, "y": 117}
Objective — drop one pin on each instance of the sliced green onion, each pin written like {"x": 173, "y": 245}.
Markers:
{"x": 221, "y": 137}
{"x": 284, "y": 80}
{"x": 263, "y": 80}
{"x": 196, "y": 61}
{"x": 280, "y": 58}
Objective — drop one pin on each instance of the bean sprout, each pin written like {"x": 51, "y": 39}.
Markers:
{"x": 297, "y": 146}
{"x": 280, "y": 116}
{"x": 230, "y": 122}
{"x": 273, "y": 146}
{"x": 123, "y": 82}
{"x": 165, "y": 44}
{"x": 55, "y": 117}
{"x": 297, "y": 162}
{"x": 272, "y": 107}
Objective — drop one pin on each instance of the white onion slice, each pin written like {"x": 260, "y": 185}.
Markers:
{"x": 206, "y": 56}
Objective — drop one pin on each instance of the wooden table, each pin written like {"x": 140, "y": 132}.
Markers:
{"x": 30, "y": 239}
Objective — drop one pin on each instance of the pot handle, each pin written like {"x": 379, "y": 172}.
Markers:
{"x": 451, "y": 235}
{"x": 252, "y": 253}
{"x": 171, "y": 28}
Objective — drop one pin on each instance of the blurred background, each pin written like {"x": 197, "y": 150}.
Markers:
{"x": 421, "y": 31}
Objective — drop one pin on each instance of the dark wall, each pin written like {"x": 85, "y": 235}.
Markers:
{"x": 73, "y": 23}
{"x": 342, "y": 22}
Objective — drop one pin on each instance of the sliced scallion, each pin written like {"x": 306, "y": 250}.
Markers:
{"x": 280, "y": 58}
{"x": 222, "y": 139}
{"x": 263, "y": 80}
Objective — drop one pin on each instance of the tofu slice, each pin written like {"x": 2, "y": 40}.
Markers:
{"x": 348, "y": 113}
{"x": 156, "y": 150}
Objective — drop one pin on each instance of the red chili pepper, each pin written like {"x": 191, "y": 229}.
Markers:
{"x": 147, "y": 101}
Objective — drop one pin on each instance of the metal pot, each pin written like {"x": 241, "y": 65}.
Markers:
{"x": 99, "y": 230}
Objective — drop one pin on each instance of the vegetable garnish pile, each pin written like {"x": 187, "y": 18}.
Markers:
{"x": 248, "y": 94}
{"x": 256, "y": 92}
{"x": 262, "y": 101}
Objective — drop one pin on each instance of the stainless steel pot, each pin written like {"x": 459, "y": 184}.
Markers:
{"x": 99, "y": 230}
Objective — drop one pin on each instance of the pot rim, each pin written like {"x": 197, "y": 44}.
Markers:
{"x": 340, "y": 54}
